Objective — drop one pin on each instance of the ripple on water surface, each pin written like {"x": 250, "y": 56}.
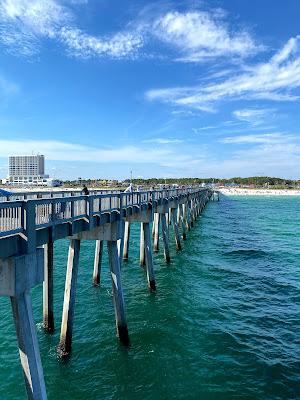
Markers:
{"x": 224, "y": 323}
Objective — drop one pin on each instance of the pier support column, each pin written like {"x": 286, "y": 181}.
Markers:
{"x": 186, "y": 216}
{"x": 193, "y": 216}
{"x": 175, "y": 227}
{"x": 18, "y": 275}
{"x": 153, "y": 226}
{"x": 165, "y": 236}
{"x": 195, "y": 209}
{"x": 183, "y": 226}
{"x": 142, "y": 246}
{"x": 48, "y": 315}
{"x": 65, "y": 344}
{"x": 156, "y": 231}
{"x": 28, "y": 346}
{"x": 97, "y": 262}
{"x": 178, "y": 216}
{"x": 190, "y": 214}
{"x": 202, "y": 204}
{"x": 167, "y": 221}
{"x": 126, "y": 240}
{"x": 149, "y": 256}
{"x": 118, "y": 299}
{"x": 121, "y": 241}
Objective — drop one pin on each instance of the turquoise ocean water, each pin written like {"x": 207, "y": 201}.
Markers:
{"x": 224, "y": 323}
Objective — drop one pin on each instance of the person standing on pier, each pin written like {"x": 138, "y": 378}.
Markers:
{"x": 85, "y": 190}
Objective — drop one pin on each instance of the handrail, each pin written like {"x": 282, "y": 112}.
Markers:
{"x": 17, "y": 216}
{"x": 52, "y": 194}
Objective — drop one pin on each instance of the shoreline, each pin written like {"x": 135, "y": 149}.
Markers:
{"x": 258, "y": 192}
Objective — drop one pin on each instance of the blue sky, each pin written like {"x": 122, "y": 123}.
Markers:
{"x": 166, "y": 89}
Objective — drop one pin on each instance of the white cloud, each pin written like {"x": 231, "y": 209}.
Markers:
{"x": 56, "y": 150}
{"x": 184, "y": 113}
{"x": 254, "y": 116}
{"x": 200, "y": 35}
{"x": 260, "y": 138}
{"x": 266, "y": 159}
{"x": 63, "y": 151}
{"x": 194, "y": 35}
{"x": 281, "y": 160}
{"x": 41, "y": 17}
{"x": 205, "y": 128}
{"x": 269, "y": 156}
{"x": 163, "y": 141}
{"x": 25, "y": 23}
{"x": 274, "y": 80}
{"x": 83, "y": 45}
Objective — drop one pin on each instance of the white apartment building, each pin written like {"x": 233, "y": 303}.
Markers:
{"x": 27, "y": 170}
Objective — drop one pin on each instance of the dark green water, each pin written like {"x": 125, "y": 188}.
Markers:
{"x": 224, "y": 323}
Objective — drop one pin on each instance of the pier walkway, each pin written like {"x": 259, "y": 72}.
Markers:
{"x": 29, "y": 227}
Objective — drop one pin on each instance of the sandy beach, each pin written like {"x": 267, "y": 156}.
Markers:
{"x": 259, "y": 192}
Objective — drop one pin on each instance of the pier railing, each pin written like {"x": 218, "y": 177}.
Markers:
{"x": 33, "y": 195}
{"x": 15, "y": 218}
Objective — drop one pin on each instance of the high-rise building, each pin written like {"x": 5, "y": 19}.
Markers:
{"x": 27, "y": 170}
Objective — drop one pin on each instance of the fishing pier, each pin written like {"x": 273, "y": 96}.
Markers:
{"x": 31, "y": 224}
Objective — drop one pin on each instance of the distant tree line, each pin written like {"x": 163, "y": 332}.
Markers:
{"x": 90, "y": 182}
{"x": 252, "y": 181}
{"x": 256, "y": 181}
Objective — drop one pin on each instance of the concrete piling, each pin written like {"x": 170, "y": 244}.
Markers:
{"x": 121, "y": 240}
{"x": 156, "y": 223}
{"x": 182, "y": 222}
{"x": 169, "y": 217}
{"x": 153, "y": 226}
{"x": 142, "y": 246}
{"x": 190, "y": 214}
{"x": 196, "y": 209}
{"x": 165, "y": 237}
{"x": 202, "y": 204}
{"x": 178, "y": 216}
{"x": 65, "y": 344}
{"x": 175, "y": 227}
{"x": 97, "y": 262}
{"x": 126, "y": 240}
{"x": 28, "y": 346}
{"x": 187, "y": 216}
{"x": 118, "y": 298}
{"x": 48, "y": 315}
{"x": 193, "y": 217}
{"x": 149, "y": 256}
